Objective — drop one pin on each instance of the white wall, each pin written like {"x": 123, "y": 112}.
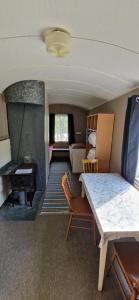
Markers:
{"x": 5, "y": 157}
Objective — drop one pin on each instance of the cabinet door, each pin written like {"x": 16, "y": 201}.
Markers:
{"x": 3, "y": 120}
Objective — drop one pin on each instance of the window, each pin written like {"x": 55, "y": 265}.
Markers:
{"x": 61, "y": 128}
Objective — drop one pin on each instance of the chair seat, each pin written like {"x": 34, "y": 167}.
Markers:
{"x": 128, "y": 253}
{"x": 81, "y": 206}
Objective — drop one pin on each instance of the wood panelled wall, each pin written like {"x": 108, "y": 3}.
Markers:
{"x": 118, "y": 107}
{"x": 79, "y": 115}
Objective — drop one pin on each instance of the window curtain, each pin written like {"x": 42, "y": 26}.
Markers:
{"x": 131, "y": 140}
{"x": 52, "y": 128}
{"x": 71, "y": 129}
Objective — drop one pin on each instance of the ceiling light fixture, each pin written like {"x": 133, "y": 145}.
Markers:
{"x": 58, "y": 41}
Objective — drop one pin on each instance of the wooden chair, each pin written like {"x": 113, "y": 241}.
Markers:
{"x": 78, "y": 208}
{"x": 126, "y": 254}
{"x": 90, "y": 166}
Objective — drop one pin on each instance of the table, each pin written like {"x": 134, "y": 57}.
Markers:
{"x": 60, "y": 149}
{"x": 115, "y": 205}
{"x": 53, "y": 150}
{"x": 58, "y": 152}
{"x": 8, "y": 168}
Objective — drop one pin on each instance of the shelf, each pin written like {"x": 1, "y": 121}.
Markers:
{"x": 91, "y": 129}
{"x": 91, "y": 146}
{"x": 102, "y": 125}
{"x": 92, "y": 122}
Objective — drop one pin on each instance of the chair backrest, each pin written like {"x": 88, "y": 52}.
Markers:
{"x": 66, "y": 189}
{"x": 90, "y": 166}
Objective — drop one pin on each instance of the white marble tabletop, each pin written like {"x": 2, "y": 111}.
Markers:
{"x": 115, "y": 204}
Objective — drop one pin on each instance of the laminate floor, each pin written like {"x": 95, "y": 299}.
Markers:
{"x": 36, "y": 263}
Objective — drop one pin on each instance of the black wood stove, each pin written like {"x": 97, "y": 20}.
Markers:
{"x": 23, "y": 178}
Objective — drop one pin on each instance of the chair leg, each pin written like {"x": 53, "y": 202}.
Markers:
{"x": 68, "y": 227}
{"x": 111, "y": 263}
{"x": 94, "y": 231}
{"x": 134, "y": 295}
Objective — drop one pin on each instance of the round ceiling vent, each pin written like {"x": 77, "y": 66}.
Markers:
{"x": 58, "y": 41}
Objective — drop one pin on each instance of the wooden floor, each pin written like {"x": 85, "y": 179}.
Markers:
{"x": 38, "y": 264}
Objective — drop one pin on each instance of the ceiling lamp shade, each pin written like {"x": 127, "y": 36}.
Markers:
{"x": 58, "y": 41}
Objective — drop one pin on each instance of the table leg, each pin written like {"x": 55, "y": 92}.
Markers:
{"x": 83, "y": 192}
{"x": 102, "y": 261}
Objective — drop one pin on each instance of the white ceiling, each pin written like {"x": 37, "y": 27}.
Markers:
{"x": 104, "y": 59}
